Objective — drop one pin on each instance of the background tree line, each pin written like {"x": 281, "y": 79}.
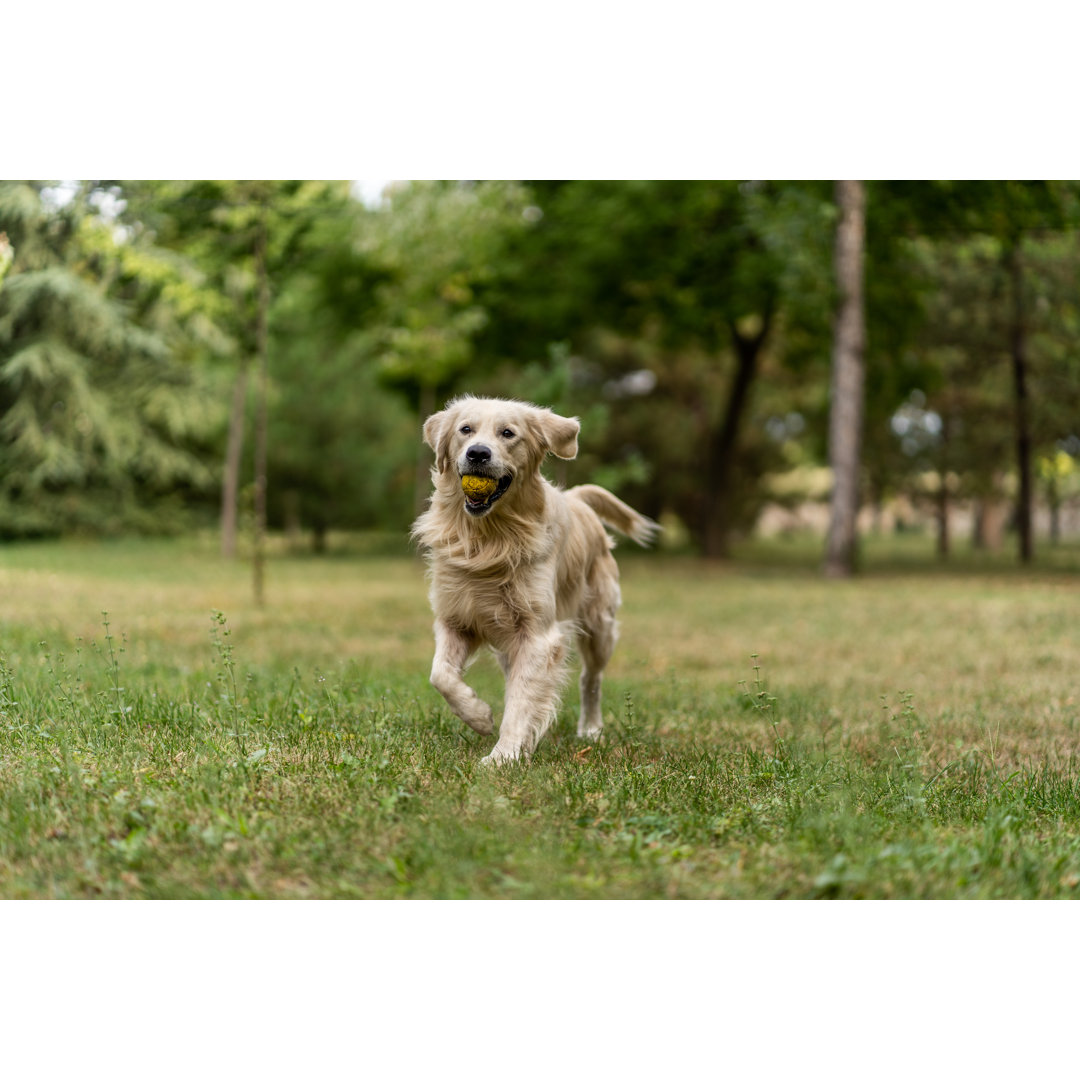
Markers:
{"x": 153, "y": 334}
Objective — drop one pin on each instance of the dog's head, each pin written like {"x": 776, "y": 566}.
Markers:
{"x": 486, "y": 445}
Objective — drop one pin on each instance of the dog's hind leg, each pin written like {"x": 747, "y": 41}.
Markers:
{"x": 598, "y": 631}
{"x": 596, "y": 644}
{"x": 452, "y": 652}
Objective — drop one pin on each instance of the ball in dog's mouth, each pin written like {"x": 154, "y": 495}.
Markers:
{"x": 481, "y": 492}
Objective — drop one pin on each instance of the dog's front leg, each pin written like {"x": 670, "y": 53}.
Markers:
{"x": 534, "y": 674}
{"x": 452, "y": 651}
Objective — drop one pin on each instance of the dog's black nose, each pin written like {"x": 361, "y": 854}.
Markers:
{"x": 478, "y": 454}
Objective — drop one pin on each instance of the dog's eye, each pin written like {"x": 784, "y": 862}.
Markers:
{"x": 465, "y": 429}
{"x": 507, "y": 433}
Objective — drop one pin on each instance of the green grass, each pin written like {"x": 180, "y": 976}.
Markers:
{"x": 912, "y": 734}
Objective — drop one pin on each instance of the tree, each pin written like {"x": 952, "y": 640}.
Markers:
{"x": 342, "y": 445}
{"x": 1011, "y": 211}
{"x": 996, "y": 343}
{"x": 262, "y": 318}
{"x": 214, "y": 226}
{"x": 686, "y": 281}
{"x": 246, "y": 237}
{"x": 848, "y": 380}
{"x": 103, "y": 418}
{"x": 1012, "y": 220}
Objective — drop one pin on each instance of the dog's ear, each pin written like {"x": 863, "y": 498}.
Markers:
{"x": 559, "y": 434}
{"x": 437, "y": 430}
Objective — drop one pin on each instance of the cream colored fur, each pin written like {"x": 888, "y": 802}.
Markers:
{"x": 523, "y": 577}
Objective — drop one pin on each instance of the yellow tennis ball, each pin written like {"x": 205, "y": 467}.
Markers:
{"x": 478, "y": 487}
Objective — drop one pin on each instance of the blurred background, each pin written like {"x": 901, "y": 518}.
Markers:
{"x": 246, "y": 356}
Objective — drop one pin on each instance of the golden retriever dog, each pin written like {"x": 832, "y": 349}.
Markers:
{"x": 518, "y": 565}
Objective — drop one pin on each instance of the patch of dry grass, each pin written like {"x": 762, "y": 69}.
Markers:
{"x": 982, "y": 660}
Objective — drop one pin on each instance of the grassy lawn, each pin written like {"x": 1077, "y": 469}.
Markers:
{"x": 912, "y": 734}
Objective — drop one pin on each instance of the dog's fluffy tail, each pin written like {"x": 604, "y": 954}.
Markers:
{"x": 616, "y": 513}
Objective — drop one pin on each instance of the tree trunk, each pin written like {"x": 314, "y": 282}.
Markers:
{"x": 261, "y": 329}
{"x": 943, "y": 539}
{"x": 1018, "y": 349}
{"x": 234, "y": 453}
{"x": 942, "y": 517}
{"x": 717, "y": 509}
{"x": 848, "y": 379}
{"x": 989, "y": 519}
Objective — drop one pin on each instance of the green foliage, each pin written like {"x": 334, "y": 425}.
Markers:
{"x": 342, "y": 449}
{"x": 339, "y": 447}
{"x": 7, "y": 256}
{"x": 959, "y": 373}
{"x": 439, "y": 244}
{"x": 687, "y": 323}
{"x": 677, "y": 262}
{"x": 101, "y": 417}
{"x": 211, "y": 225}
{"x": 657, "y": 287}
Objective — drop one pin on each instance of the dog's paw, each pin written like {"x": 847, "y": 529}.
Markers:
{"x": 481, "y": 719}
{"x": 499, "y": 755}
{"x": 590, "y": 726}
